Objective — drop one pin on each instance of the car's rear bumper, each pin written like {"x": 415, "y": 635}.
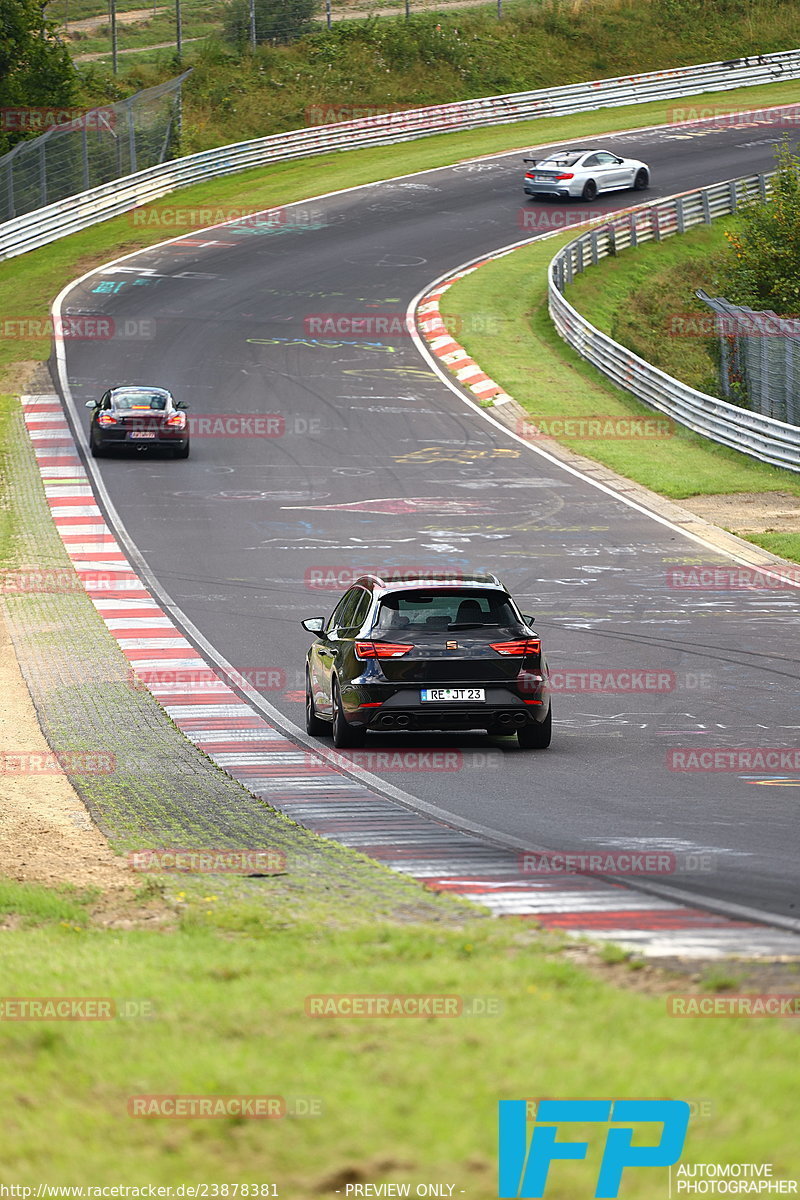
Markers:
{"x": 549, "y": 189}
{"x": 386, "y": 708}
{"x": 122, "y": 441}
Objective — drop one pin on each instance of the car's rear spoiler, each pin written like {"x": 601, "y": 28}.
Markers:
{"x": 532, "y": 161}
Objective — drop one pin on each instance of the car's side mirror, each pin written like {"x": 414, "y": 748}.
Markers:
{"x": 528, "y": 619}
{"x": 314, "y": 624}
{"x": 181, "y": 404}
{"x": 92, "y": 404}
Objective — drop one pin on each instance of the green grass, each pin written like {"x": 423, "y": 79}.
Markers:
{"x": 634, "y": 296}
{"x": 434, "y": 58}
{"x": 401, "y": 1099}
{"x": 524, "y": 354}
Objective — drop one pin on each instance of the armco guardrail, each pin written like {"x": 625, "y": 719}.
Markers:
{"x": 57, "y": 220}
{"x": 761, "y": 437}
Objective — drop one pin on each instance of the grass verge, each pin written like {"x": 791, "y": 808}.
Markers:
{"x": 635, "y": 296}
{"x": 525, "y": 355}
{"x": 223, "y": 995}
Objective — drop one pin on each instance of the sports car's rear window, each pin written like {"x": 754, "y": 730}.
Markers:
{"x": 563, "y": 160}
{"x": 153, "y": 400}
{"x": 434, "y": 609}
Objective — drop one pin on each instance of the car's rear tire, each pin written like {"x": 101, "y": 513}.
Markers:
{"x": 344, "y": 735}
{"x": 589, "y": 190}
{"x": 181, "y": 451}
{"x": 642, "y": 180}
{"x": 536, "y": 736}
{"x": 97, "y": 450}
{"x": 315, "y": 726}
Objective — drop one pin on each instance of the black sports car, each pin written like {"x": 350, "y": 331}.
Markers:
{"x": 410, "y": 653}
{"x": 137, "y": 416}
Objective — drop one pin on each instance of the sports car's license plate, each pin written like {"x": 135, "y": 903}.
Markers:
{"x": 142, "y": 433}
{"x": 440, "y": 694}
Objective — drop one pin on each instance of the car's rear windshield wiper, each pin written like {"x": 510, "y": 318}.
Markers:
{"x": 472, "y": 624}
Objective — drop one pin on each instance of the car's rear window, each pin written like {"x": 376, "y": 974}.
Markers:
{"x": 435, "y": 609}
{"x": 137, "y": 400}
{"x": 562, "y": 160}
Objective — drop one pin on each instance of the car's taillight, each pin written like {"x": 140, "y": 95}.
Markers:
{"x": 519, "y": 648}
{"x": 569, "y": 175}
{"x": 177, "y": 420}
{"x": 529, "y": 175}
{"x": 106, "y": 419}
{"x": 381, "y": 649}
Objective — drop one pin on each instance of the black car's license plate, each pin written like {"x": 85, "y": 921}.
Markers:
{"x": 142, "y": 433}
{"x": 440, "y": 695}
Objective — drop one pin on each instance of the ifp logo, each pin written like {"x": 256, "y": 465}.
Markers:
{"x": 524, "y": 1166}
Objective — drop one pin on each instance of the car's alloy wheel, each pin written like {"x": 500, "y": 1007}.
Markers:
{"x": 344, "y": 735}
{"x": 315, "y": 726}
{"x": 642, "y": 180}
{"x": 536, "y": 737}
{"x": 589, "y": 190}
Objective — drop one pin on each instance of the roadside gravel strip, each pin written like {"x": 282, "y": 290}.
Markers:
{"x": 205, "y": 778}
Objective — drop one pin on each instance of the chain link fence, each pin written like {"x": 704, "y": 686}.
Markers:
{"x": 92, "y": 149}
{"x": 759, "y": 358}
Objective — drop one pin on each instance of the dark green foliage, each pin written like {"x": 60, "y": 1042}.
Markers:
{"x": 35, "y": 69}
{"x": 762, "y": 267}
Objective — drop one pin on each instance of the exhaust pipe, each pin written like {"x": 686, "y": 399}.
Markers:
{"x": 386, "y": 722}
{"x": 403, "y": 721}
{"x": 505, "y": 718}
{"x": 519, "y": 719}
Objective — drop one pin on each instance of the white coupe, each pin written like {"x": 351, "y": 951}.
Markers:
{"x": 584, "y": 173}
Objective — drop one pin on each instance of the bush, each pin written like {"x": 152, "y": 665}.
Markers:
{"x": 763, "y": 266}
